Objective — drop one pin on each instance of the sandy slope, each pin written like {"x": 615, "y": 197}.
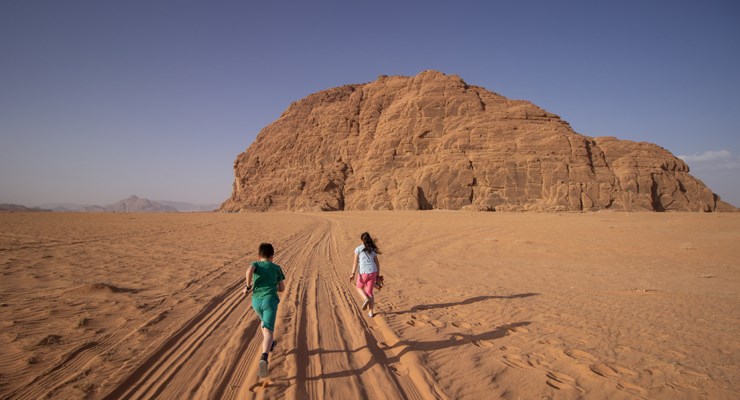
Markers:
{"x": 477, "y": 305}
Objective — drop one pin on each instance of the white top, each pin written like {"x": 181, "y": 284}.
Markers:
{"x": 366, "y": 260}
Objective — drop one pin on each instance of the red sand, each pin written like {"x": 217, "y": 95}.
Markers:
{"x": 476, "y": 305}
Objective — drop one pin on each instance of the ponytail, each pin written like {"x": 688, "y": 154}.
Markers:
{"x": 369, "y": 244}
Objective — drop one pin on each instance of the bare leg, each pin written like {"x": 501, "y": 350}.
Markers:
{"x": 266, "y": 340}
{"x": 362, "y": 293}
{"x": 262, "y": 369}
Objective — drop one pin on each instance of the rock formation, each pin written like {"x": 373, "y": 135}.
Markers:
{"x": 434, "y": 142}
{"x": 8, "y": 207}
{"x": 136, "y": 204}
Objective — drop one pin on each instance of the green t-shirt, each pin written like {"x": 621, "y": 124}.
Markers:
{"x": 265, "y": 279}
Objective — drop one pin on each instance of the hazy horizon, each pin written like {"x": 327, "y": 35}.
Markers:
{"x": 104, "y": 100}
{"x": 161, "y": 201}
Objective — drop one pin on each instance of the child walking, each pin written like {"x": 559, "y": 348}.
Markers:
{"x": 366, "y": 256}
{"x": 267, "y": 279}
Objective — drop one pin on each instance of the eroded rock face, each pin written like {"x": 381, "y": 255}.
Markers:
{"x": 434, "y": 142}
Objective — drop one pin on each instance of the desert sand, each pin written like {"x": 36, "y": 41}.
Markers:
{"x": 476, "y": 305}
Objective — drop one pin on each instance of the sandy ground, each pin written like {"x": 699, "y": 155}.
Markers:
{"x": 476, "y": 305}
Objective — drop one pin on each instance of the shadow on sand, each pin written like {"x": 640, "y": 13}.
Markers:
{"x": 471, "y": 300}
{"x": 380, "y": 350}
{"x": 379, "y": 356}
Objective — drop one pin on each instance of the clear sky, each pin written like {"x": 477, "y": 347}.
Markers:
{"x": 103, "y": 99}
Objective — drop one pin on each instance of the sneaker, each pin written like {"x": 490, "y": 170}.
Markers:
{"x": 366, "y": 303}
{"x": 262, "y": 369}
{"x": 370, "y": 314}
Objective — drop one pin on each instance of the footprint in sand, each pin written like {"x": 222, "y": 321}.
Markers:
{"x": 631, "y": 388}
{"x": 260, "y": 386}
{"x": 562, "y": 381}
{"x": 437, "y": 323}
{"x": 537, "y": 361}
{"x": 603, "y": 370}
{"x": 681, "y": 386}
{"x": 622, "y": 370}
{"x": 611, "y": 370}
{"x": 517, "y": 329}
{"x": 399, "y": 369}
{"x": 411, "y": 322}
{"x": 579, "y": 355}
{"x": 463, "y": 325}
{"x": 422, "y": 317}
{"x": 552, "y": 342}
{"x": 483, "y": 343}
{"x": 677, "y": 354}
{"x": 693, "y": 373}
{"x": 49, "y": 341}
{"x": 516, "y": 361}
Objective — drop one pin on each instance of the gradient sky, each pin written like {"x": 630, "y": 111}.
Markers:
{"x": 100, "y": 100}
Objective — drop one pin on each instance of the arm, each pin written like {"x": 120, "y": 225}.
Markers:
{"x": 281, "y": 286}
{"x": 377, "y": 264}
{"x": 250, "y": 272}
{"x": 354, "y": 266}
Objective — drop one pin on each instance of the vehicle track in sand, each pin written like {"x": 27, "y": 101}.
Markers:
{"x": 79, "y": 361}
{"x": 326, "y": 346}
{"x": 202, "y": 356}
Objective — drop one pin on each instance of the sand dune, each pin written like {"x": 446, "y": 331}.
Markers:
{"x": 476, "y": 305}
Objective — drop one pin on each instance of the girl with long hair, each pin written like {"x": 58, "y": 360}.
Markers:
{"x": 366, "y": 258}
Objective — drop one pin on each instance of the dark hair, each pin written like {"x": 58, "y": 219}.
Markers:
{"x": 266, "y": 250}
{"x": 369, "y": 244}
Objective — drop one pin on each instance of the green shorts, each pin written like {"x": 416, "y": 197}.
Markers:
{"x": 266, "y": 308}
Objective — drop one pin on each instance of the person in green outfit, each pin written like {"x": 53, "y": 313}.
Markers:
{"x": 265, "y": 279}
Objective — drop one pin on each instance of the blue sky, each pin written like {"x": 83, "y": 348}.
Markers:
{"x": 100, "y": 100}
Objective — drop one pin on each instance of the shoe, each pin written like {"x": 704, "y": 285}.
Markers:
{"x": 366, "y": 303}
{"x": 370, "y": 314}
{"x": 262, "y": 369}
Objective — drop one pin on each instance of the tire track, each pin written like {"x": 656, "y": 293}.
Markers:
{"x": 85, "y": 355}
{"x": 245, "y": 351}
{"x": 411, "y": 378}
{"x": 212, "y": 355}
{"x": 334, "y": 351}
{"x": 326, "y": 347}
{"x": 244, "y": 383}
{"x": 152, "y": 376}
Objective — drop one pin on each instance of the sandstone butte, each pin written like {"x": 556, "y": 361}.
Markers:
{"x": 432, "y": 141}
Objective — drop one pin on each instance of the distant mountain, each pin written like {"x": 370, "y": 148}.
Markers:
{"x": 6, "y": 207}
{"x": 188, "y": 207}
{"x": 64, "y": 207}
{"x": 133, "y": 204}
{"x": 136, "y": 204}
